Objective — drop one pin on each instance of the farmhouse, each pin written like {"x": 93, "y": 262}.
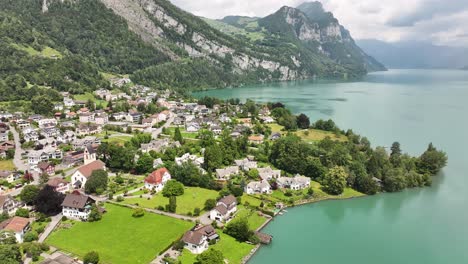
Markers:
{"x": 59, "y": 185}
{"x": 77, "y": 206}
{"x": 225, "y": 209}
{"x": 156, "y": 180}
{"x": 46, "y": 167}
{"x": 8, "y": 205}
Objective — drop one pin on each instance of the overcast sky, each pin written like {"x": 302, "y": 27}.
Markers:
{"x": 442, "y": 22}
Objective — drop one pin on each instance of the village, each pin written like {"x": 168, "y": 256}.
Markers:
{"x": 93, "y": 163}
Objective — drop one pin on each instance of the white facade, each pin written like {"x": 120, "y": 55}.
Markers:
{"x": 81, "y": 214}
{"x": 256, "y": 187}
{"x": 197, "y": 249}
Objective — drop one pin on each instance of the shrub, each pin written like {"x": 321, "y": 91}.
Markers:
{"x": 30, "y": 236}
{"x": 119, "y": 199}
{"x": 179, "y": 245}
{"x": 22, "y": 212}
{"x": 288, "y": 193}
{"x": 210, "y": 204}
{"x": 138, "y": 212}
{"x": 160, "y": 208}
{"x": 40, "y": 229}
{"x": 196, "y": 212}
{"x": 91, "y": 257}
{"x": 64, "y": 218}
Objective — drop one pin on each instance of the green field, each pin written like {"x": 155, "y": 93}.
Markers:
{"x": 7, "y": 165}
{"x": 193, "y": 197}
{"x": 185, "y": 134}
{"x": 47, "y": 52}
{"x": 90, "y": 96}
{"x": 255, "y": 220}
{"x": 119, "y": 237}
{"x": 232, "y": 250}
{"x": 316, "y": 135}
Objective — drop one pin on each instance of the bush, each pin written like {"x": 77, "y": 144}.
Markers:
{"x": 138, "y": 212}
{"x": 30, "y": 236}
{"x": 40, "y": 229}
{"x": 196, "y": 212}
{"x": 179, "y": 245}
{"x": 40, "y": 217}
{"x": 210, "y": 204}
{"x": 288, "y": 193}
{"x": 160, "y": 208}
{"x": 119, "y": 199}
{"x": 91, "y": 257}
{"x": 22, "y": 212}
{"x": 64, "y": 218}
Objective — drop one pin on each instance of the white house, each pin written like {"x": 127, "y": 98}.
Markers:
{"x": 268, "y": 173}
{"x": 47, "y": 122}
{"x": 77, "y": 206}
{"x": 18, "y": 225}
{"x": 226, "y": 173}
{"x": 197, "y": 240}
{"x": 225, "y": 209}
{"x": 296, "y": 183}
{"x": 258, "y": 187}
{"x": 59, "y": 185}
{"x": 80, "y": 176}
{"x": 157, "y": 179}
{"x": 246, "y": 164}
{"x": 8, "y": 205}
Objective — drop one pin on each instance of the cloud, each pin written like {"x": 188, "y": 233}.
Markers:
{"x": 436, "y": 21}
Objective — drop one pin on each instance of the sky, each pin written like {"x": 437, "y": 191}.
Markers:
{"x": 441, "y": 22}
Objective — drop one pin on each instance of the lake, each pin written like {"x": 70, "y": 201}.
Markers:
{"x": 419, "y": 226}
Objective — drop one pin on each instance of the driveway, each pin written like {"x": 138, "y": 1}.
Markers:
{"x": 50, "y": 227}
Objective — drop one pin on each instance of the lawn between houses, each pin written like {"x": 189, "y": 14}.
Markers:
{"x": 120, "y": 238}
{"x": 7, "y": 165}
{"x": 193, "y": 197}
{"x": 232, "y": 250}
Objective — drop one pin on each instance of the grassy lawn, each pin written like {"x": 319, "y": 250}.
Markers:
{"x": 193, "y": 197}
{"x": 90, "y": 96}
{"x": 46, "y": 52}
{"x": 185, "y": 134}
{"x": 232, "y": 250}
{"x": 255, "y": 220}
{"x": 317, "y": 135}
{"x": 252, "y": 200}
{"x": 7, "y": 165}
{"x": 275, "y": 127}
{"x": 119, "y": 237}
{"x": 120, "y": 140}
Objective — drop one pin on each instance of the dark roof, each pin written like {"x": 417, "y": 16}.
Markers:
{"x": 192, "y": 237}
{"x": 3, "y": 199}
{"x": 90, "y": 149}
{"x": 221, "y": 208}
{"x": 228, "y": 200}
{"x": 61, "y": 259}
{"x": 55, "y": 182}
{"x": 43, "y": 165}
{"x": 74, "y": 200}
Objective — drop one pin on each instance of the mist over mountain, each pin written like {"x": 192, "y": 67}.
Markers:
{"x": 417, "y": 55}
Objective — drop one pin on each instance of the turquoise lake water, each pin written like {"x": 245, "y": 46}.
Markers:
{"x": 421, "y": 226}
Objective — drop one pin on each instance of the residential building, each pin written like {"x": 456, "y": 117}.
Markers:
{"x": 8, "y": 205}
{"x": 87, "y": 117}
{"x": 80, "y": 176}
{"x": 226, "y": 173}
{"x": 246, "y": 164}
{"x": 296, "y": 183}
{"x": 47, "y": 122}
{"x": 196, "y": 240}
{"x": 18, "y": 225}
{"x": 45, "y": 154}
{"x": 7, "y": 176}
{"x": 4, "y": 136}
{"x": 268, "y": 173}
{"x": 225, "y": 209}
{"x": 157, "y": 179}
{"x": 46, "y": 167}
{"x": 258, "y": 187}
{"x": 59, "y": 185}
{"x": 189, "y": 158}
{"x": 88, "y": 129}
{"x": 256, "y": 139}
{"x": 89, "y": 154}
{"x": 77, "y": 206}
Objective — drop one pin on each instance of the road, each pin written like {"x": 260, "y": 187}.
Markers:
{"x": 20, "y": 165}
{"x": 156, "y": 131}
{"x": 50, "y": 227}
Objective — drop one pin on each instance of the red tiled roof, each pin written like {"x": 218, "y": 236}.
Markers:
{"x": 88, "y": 169}
{"x": 55, "y": 182}
{"x": 16, "y": 224}
{"x": 156, "y": 176}
{"x": 43, "y": 165}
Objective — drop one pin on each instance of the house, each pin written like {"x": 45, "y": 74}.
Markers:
{"x": 101, "y": 117}
{"x": 47, "y": 122}
{"x": 189, "y": 158}
{"x": 258, "y": 187}
{"x": 267, "y": 119}
{"x": 157, "y": 179}
{"x": 80, "y": 176}
{"x": 225, "y": 209}
{"x": 46, "y": 167}
{"x": 59, "y": 185}
{"x": 18, "y": 225}
{"x": 268, "y": 173}
{"x": 246, "y": 164}
{"x": 256, "y": 139}
{"x": 7, "y": 176}
{"x": 133, "y": 117}
{"x": 45, "y": 154}
{"x": 192, "y": 127}
{"x": 89, "y": 154}
{"x": 77, "y": 206}
{"x": 4, "y": 136}
{"x": 88, "y": 129}
{"x": 275, "y": 136}
{"x": 68, "y": 102}
{"x": 295, "y": 183}
{"x": 157, "y": 162}
{"x": 196, "y": 240}
{"x": 87, "y": 117}
{"x": 8, "y": 205}
{"x": 226, "y": 173}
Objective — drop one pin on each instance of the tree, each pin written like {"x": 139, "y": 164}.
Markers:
{"x": 10, "y": 254}
{"x": 239, "y": 229}
{"x": 173, "y": 188}
{"x": 97, "y": 182}
{"x": 138, "y": 212}
{"x": 172, "y": 206}
{"x": 91, "y": 257}
{"x": 28, "y": 177}
{"x": 189, "y": 175}
{"x": 43, "y": 179}
{"x": 42, "y": 105}
{"x": 210, "y": 204}
{"x": 29, "y": 194}
{"x": 431, "y": 161}
{"x": 7, "y": 237}
{"x": 303, "y": 121}
{"x": 49, "y": 201}
{"x": 213, "y": 157}
{"x": 94, "y": 214}
{"x": 144, "y": 164}
{"x": 253, "y": 174}
{"x": 22, "y": 212}
{"x": 210, "y": 256}
{"x": 178, "y": 136}
{"x": 395, "y": 155}
{"x": 334, "y": 181}
{"x": 30, "y": 236}
{"x": 394, "y": 180}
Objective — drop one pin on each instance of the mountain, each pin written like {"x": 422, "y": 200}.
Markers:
{"x": 415, "y": 54}
{"x": 465, "y": 68}
{"x": 74, "y": 45}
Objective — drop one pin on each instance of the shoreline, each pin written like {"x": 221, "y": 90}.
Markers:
{"x": 248, "y": 257}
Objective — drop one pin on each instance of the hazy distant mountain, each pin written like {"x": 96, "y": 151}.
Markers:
{"x": 415, "y": 54}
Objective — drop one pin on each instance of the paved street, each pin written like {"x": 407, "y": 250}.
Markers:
{"x": 156, "y": 131}
{"x": 20, "y": 165}
{"x": 50, "y": 227}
